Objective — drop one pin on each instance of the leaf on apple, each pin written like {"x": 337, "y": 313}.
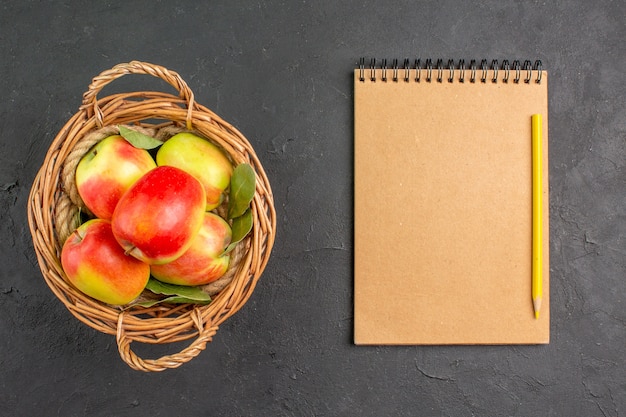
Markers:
{"x": 77, "y": 220}
{"x": 242, "y": 188}
{"x": 175, "y": 294}
{"x": 138, "y": 139}
{"x": 241, "y": 227}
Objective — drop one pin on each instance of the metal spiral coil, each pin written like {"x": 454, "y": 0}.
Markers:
{"x": 515, "y": 72}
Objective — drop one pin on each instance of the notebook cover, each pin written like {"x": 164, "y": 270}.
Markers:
{"x": 443, "y": 211}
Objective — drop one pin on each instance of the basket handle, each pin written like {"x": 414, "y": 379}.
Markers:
{"x": 205, "y": 335}
{"x": 90, "y": 100}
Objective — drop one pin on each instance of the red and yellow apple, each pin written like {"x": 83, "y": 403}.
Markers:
{"x": 158, "y": 217}
{"x": 107, "y": 171}
{"x": 200, "y": 158}
{"x": 96, "y": 264}
{"x": 204, "y": 261}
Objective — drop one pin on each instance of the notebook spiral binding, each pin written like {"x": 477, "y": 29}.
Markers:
{"x": 515, "y": 72}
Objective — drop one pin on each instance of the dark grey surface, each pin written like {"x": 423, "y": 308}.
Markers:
{"x": 281, "y": 72}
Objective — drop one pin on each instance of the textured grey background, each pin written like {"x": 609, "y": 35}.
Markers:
{"x": 281, "y": 72}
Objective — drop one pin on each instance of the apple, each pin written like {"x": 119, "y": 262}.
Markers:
{"x": 107, "y": 171}
{"x": 158, "y": 217}
{"x": 96, "y": 264}
{"x": 202, "y": 159}
{"x": 204, "y": 261}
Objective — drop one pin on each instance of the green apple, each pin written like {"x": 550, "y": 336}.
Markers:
{"x": 159, "y": 216}
{"x": 204, "y": 261}
{"x": 201, "y": 158}
{"x": 96, "y": 264}
{"x": 107, "y": 171}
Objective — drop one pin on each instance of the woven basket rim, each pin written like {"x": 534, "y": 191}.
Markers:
{"x": 48, "y": 196}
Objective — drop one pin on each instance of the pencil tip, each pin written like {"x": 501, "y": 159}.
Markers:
{"x": 536, "y": 306}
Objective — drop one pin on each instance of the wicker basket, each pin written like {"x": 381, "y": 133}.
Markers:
{"x": 53, "y": 207}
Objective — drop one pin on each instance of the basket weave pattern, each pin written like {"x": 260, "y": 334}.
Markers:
{"x": 54, "y": 206}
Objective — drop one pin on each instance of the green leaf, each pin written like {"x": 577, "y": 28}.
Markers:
{"x": 242, "y": 188}
{"x": 138, "y": 139}
{"x": 177, "y": 293}
{"x": 171, "y": 300}
{"x": 241, "y": 227}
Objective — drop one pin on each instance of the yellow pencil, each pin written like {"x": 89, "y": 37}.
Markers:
{"x": 537, "y": 264}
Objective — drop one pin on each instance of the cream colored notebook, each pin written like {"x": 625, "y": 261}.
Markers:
{"x": 443, "y": 203}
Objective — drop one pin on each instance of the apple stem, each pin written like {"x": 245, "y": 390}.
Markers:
{"x": 129, "y": 250}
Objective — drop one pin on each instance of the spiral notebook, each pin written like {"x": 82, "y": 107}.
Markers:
{"x": 443, "y": 202}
